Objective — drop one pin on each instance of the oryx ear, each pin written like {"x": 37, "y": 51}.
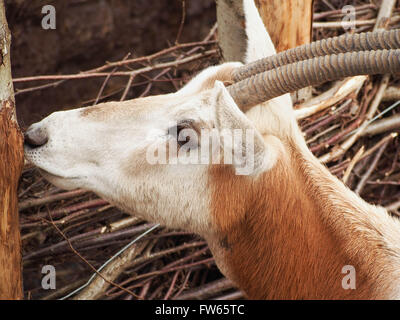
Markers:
{"x": 205, "y": 80}
{"x": 239, "y": 137}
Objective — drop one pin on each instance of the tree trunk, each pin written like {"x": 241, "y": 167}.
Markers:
{"x": 288, "y": 22}
{"x": 231, "y": 34}
{"x": 11, "y": 163}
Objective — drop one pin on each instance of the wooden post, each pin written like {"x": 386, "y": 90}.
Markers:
{"x": 231, "y": 33}
{"x": 11, "y": 163}
{"x": 289, "y": 22}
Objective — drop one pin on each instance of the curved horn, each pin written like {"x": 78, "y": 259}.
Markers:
{"x": 270, "y": 84}
{"x": 368, "y": 41}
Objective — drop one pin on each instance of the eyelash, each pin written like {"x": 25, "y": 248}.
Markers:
{"x": 185, "y": 124}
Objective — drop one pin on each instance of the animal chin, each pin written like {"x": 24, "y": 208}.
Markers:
{"x": 67, "y": 183}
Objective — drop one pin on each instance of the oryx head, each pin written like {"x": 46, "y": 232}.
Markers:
{"x": 113, "y": 148}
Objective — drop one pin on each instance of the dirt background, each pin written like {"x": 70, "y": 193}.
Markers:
{"x": 89, "y": 33}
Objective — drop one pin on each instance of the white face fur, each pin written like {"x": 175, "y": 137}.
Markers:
{"x": 104, "y": 149}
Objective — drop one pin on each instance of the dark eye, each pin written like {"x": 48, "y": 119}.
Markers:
{"x": 184, "y": 133}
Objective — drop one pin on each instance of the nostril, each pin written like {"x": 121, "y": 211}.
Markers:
{"x": 35, "y": 138}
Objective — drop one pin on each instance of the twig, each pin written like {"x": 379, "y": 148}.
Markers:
{"x": 320, "y": 15}
{"x": 167, "y": 268}
{"x": 391, "y": 94}
{"x": 119, "y": 73}
{"x": 384, "y": 125}
{"x": 128, "y": 86}
{"x": 236, "y": 295}
{"x": 327, "y": 99}
{"x": 393, "y": 207}
{"x": 372, "y": 167}
{"x": 111, "y": 271}
{"x": 353, "y": 162}
{"x": 60, "y": 246}
{"x": 207, "y": 290}
{"x": 107, "y": 79}
{"x": 341, "y": 149}
{"x": 64, "y": 211}
{"x": 171, "y": 287}
{"x": 183, "y": 286}
{"x": 45, "y": 200}
{"x": 87, "y": 262}
{"x": 178, "y": 36}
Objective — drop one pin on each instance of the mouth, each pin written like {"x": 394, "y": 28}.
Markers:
{"x": 62, "y": 178}
{"x": 48, "y": 174}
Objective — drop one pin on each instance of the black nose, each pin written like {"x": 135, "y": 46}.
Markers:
{"x": 35, "y": 137}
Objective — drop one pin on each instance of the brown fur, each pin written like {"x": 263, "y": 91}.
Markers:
{"x": 289, "y": 233}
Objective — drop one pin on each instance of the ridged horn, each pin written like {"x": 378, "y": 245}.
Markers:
{"x": 292, "y": 77}
{"x": 378, "y": 40}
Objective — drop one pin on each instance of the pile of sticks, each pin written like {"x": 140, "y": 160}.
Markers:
{"x": 352, "y": 126}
